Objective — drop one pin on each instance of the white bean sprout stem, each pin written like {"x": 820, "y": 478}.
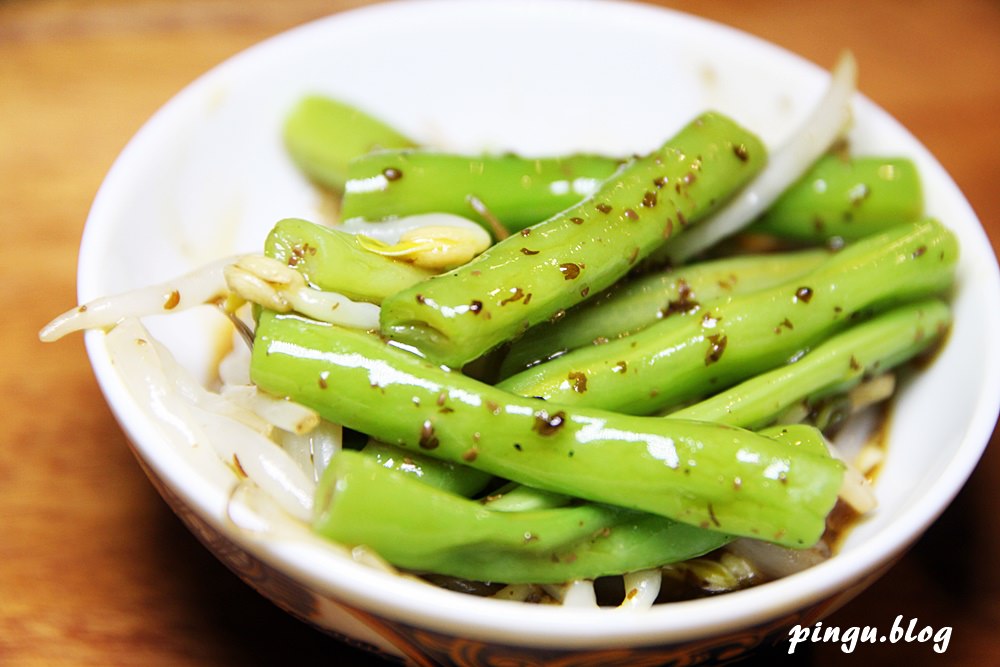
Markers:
{"x": 203, "y": 285}
{"x": 827, "y": 122}
{"x": 146, "y": 369}
{"x": 274, "y": 285}
{"x": 577, "y": 593}
{"x": 641, "y": 588}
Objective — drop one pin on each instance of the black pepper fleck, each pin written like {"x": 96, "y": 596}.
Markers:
{"x": 684, "y": 303}
{"x": 516, "y": 295}
{"x": 546, "y": 424}
{"x": 784, "y": 324}
{"x": 711, "y": 514}
{"x": 717, "y": 345}
{"x": 427, "y": 438}
{"x": 569, "y": 270}
{"x": 668, "y": 229}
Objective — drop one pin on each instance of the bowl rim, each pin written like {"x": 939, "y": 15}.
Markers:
{"x": 425, "y": 606}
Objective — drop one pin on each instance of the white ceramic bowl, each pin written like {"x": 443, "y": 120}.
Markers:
{"x": 207, "y": 176}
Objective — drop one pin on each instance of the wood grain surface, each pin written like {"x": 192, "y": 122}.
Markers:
{"x": 95, "y": 570}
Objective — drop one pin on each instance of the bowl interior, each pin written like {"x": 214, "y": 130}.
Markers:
{"x": 208, "y": 177}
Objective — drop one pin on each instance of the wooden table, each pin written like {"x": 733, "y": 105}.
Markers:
{"x": 95, "y": 570}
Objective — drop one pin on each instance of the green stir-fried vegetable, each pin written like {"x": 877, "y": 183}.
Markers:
{"x": 549, "y": 267}
{"x": 537, "y": 404}
{"x": 730, "y": 338}
{"x": 558, "y": 464}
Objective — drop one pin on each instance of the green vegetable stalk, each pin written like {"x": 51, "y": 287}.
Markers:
{"x": 629, "y": 307}
{"x": 335, "y": 261}
{"x": 846, "y": 198}
{"x": 418, "y": 527}
{"x": 514, "y": 497}
{"x": 682, "y": 359}
{"x": 444, "y": 475}
{"x": 518, "y": 191}
{"x": 322, "y": 135}
{"x": 706, "y": 475}
{"x": 834, "y": 366}
{"x": 543, "y": 270}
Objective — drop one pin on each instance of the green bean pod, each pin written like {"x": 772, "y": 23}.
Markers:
{"x": 335, "y": 261}
{"x": 682, "y": 359}
{"x": 517, "y": 191}
{"x": 547, "y": 268}
{"x": 846, "y": 198}
{"x": 708, "y": 475}
{"x": 515, "y": 497}
{"x": 322, "y": 135}
{"x": 444, "y": 475}
{"x": 834, "y": 366}
{"x": 421, "y": 528}
{"x": 628, "y": 307}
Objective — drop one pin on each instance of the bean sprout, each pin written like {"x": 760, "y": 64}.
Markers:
{"x": 274, "y": 285}
{"x": 577, "y": 593}
{"x": 786, "y": 165}
{"x": 438, "y": 247}
{"x": 641, "y": 589}
{"x": 203, "y": 285}
{"x": 195, "y": 419}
